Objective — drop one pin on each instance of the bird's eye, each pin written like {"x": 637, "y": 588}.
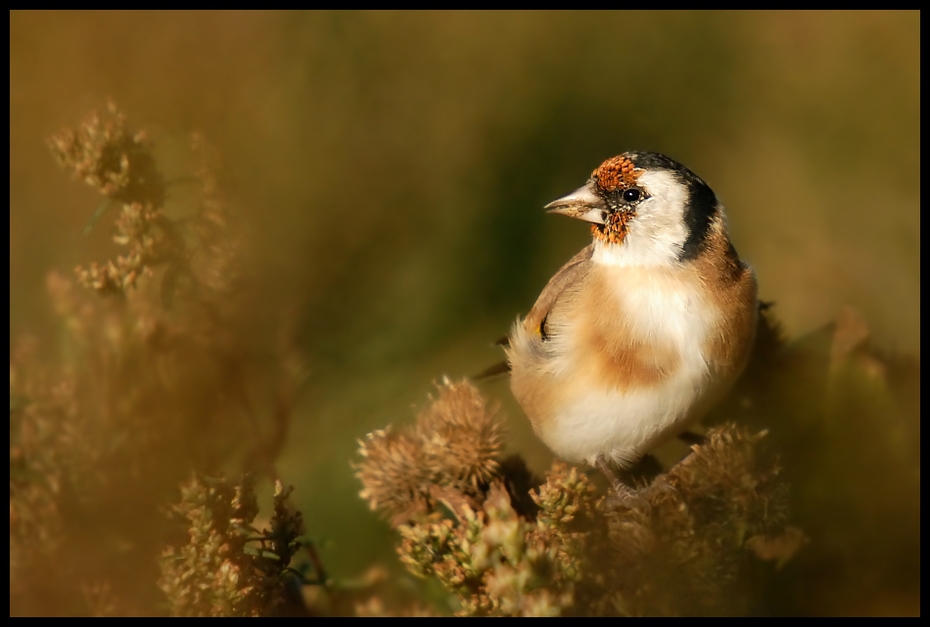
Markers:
{"x": 632, "y": 195}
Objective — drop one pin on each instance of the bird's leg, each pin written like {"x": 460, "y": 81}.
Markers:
{"x": 622, "y": 490}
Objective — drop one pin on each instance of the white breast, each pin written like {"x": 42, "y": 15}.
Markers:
{"x": 659, "y": 305}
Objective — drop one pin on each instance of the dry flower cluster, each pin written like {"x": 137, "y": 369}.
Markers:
{"x": 455, "y": 446}
{"x": 156, "y": 376}
{"x": 118, "y": 164}
{"x": 690, "y": 542}
{"x": 227, "y": 567}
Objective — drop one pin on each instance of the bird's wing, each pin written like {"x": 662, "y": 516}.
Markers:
{"x": 567, "y": 276}
{"x": 535, "y": 320}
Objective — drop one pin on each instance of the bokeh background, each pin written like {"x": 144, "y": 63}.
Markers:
{"x": 392, "y": 169}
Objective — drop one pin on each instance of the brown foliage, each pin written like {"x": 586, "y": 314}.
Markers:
{"x": 689, "y": 542}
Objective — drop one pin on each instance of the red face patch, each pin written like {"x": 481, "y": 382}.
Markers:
{"x": 616, "y": 173}
{"x": 616, "y": 228}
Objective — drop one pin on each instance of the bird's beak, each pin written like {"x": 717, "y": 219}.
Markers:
{"x": 582, "y": 204}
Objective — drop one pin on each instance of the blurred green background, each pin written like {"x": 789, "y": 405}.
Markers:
{"x": 392, "y": 168}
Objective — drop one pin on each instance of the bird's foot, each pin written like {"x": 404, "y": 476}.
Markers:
{"x": 622, "y": 492}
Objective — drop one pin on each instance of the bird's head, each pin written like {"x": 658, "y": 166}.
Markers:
{"x": 644, "y": 206}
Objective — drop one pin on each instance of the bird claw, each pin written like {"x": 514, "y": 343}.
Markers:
{"x": 622, "y": 493}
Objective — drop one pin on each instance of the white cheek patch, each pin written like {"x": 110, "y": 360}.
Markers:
{"x": 657, "y": 232}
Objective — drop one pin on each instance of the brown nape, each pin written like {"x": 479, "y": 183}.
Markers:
{"x": 615, "y": 173}
{"x": 735, "y": 286}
